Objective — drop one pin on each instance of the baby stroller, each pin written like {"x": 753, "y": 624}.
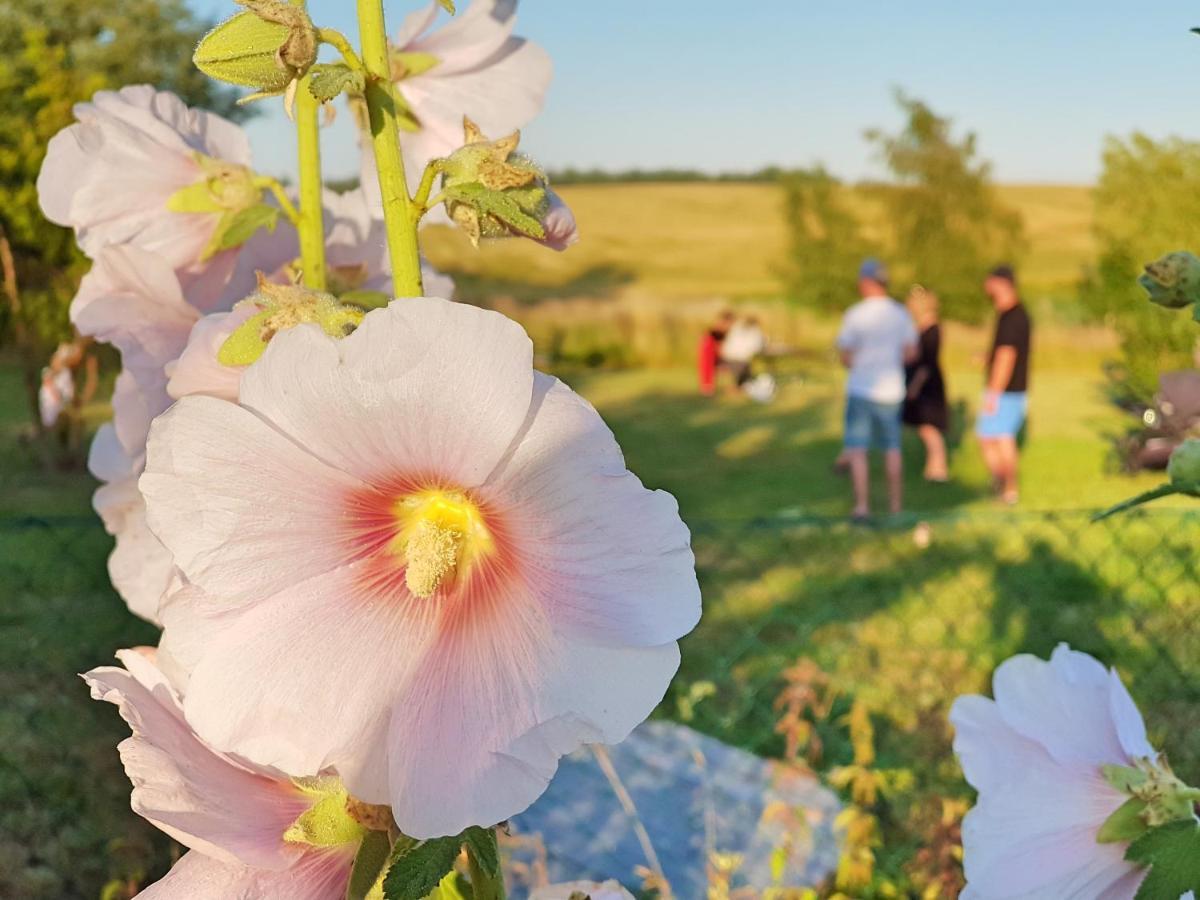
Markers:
{"x": 1173, "y": 417}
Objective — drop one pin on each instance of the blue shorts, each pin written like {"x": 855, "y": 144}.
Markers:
{"x": 866, "y": 417}
{"x": 1008, "y": 418}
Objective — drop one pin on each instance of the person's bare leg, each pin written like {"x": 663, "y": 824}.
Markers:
{"x": 935, "y": 453}
{"x": 1007, "y": 454}
{"x": 859, "y": 478}
{"x": 991, "y": 459}
{"x": 894, "y": 466}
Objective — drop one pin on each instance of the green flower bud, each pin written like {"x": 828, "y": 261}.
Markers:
{"x": 1173, "y": 281}
{"x": 281, "y": 307}
{"x": 1184, "y": 466}
{"x": 491, "y": 190}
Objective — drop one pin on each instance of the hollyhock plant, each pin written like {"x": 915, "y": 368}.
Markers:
{"x": 472, "y": 66}
{"x": 1041, "y": 756}
{"x": 251, "y": 832}
{"x": 415, "y": 560}
{"x": 142, "y": 168}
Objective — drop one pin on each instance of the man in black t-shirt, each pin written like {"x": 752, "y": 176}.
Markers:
{"x": 1005, "y": 396}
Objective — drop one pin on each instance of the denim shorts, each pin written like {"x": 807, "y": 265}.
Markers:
{"x": 866, "y": 418}
{"x": 1008, "y": 418}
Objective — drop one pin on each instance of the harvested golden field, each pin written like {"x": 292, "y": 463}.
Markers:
{"x": 728, "y": 240}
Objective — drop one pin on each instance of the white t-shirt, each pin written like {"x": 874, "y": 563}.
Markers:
{"x": 743, "y": 342}
{"x": 876, "y": 331}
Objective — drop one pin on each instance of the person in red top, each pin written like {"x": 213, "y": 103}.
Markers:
{"x": 708, "y": 354}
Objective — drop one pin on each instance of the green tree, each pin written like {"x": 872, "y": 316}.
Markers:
{"x": 1147, "y": 204}
{"x": 825, "y": 240}
{"x": 946, "y": 224}
{"x": 53, "y": 54}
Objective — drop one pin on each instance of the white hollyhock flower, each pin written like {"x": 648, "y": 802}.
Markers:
{"x": 417, "y": 561}
{"x": 112, "y": 175}
{"x": 582, "y": 890}
{"x": 244, "y": 825}
{"x": 1035, "y": 755}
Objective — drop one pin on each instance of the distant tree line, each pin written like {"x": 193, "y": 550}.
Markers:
{"x": 571, "y": 175}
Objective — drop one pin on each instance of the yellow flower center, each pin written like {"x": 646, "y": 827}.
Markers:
{"x": 442, "y": 534}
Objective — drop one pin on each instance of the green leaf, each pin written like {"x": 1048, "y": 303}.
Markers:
{"x": 235, "y": 228}
{"x": 1124, "y": 778}
{"x": 372, "y": 856}
{"x": 328, "y": 80}
{"x": 1172, "y": 852}
{"x": 481, "y": 845}
{"x": 453, "y": 887}
{"x": 242, "y": 50}
{"x": 498, "y": 205}
{"x": 447, "y": 5}
{"x": 416, "y": 869}
{"x": 1124, "y": 825}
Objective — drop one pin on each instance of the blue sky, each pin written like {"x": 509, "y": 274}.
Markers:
{"x": 738, "y": 85}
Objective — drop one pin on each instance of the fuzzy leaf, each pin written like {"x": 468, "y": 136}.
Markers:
{"x": 1173, "y": 854}
{"x": 328, "y": 80}
{"x": 368, "y": 865}
{"x": 498, "y": 205}
{"x": 1124, "y": 825}
{"x": 416, "y": 869}
{"x": 195, "y": 198}
{"x": 1124, "y": 778}
{"x": 242, "y": 50}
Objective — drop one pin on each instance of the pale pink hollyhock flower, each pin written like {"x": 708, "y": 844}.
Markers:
{"x": 110, "y": 176}
{"x": 592, "y": 890}
{"x": 356, "y": 247}
{"x": 415, "y": 560}
{"x": 471, "y": 66}
{"x": 132, "y": 300}
{"x": 232, "y": 815}
{"x": 1035, "y": 754}
{"x": 559, "y": 224}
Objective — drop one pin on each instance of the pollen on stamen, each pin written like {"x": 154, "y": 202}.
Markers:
{"x": 431, "y": 553}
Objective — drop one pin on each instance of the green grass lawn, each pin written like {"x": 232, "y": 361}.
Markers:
{"x": 898, "y": 624}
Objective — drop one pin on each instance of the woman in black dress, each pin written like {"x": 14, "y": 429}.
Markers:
{"x": 925, "y": 403}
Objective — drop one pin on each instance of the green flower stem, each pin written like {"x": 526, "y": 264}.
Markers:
{"x": 312, "y": 214}
{"x": 266, "y": 182}
{"x": 425, "y": 188}
{"x": 399, "y": 212}
{"x": 339, "y": 42}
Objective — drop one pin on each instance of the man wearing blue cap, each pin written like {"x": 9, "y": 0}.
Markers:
{"x": 876, "y": 338}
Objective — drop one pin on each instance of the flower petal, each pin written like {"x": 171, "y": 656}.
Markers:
{"x": 478, "y": 732}
{"x": 396, "y": 395}
{"x": 317, "y": 875}
{"x": 1062, "y": 704}
{"x": 243, "y": 510}
{"x": 610, "y": 559}
{"x": 301, "y": 681}
{"x": 200, "y": 798}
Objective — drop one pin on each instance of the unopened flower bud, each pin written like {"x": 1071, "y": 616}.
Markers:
{"x": 492, "y": 191}
{"x": 1184, "y": 466}
{"x": 281, "y": 307}
{"x": 1173, "y": 281}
